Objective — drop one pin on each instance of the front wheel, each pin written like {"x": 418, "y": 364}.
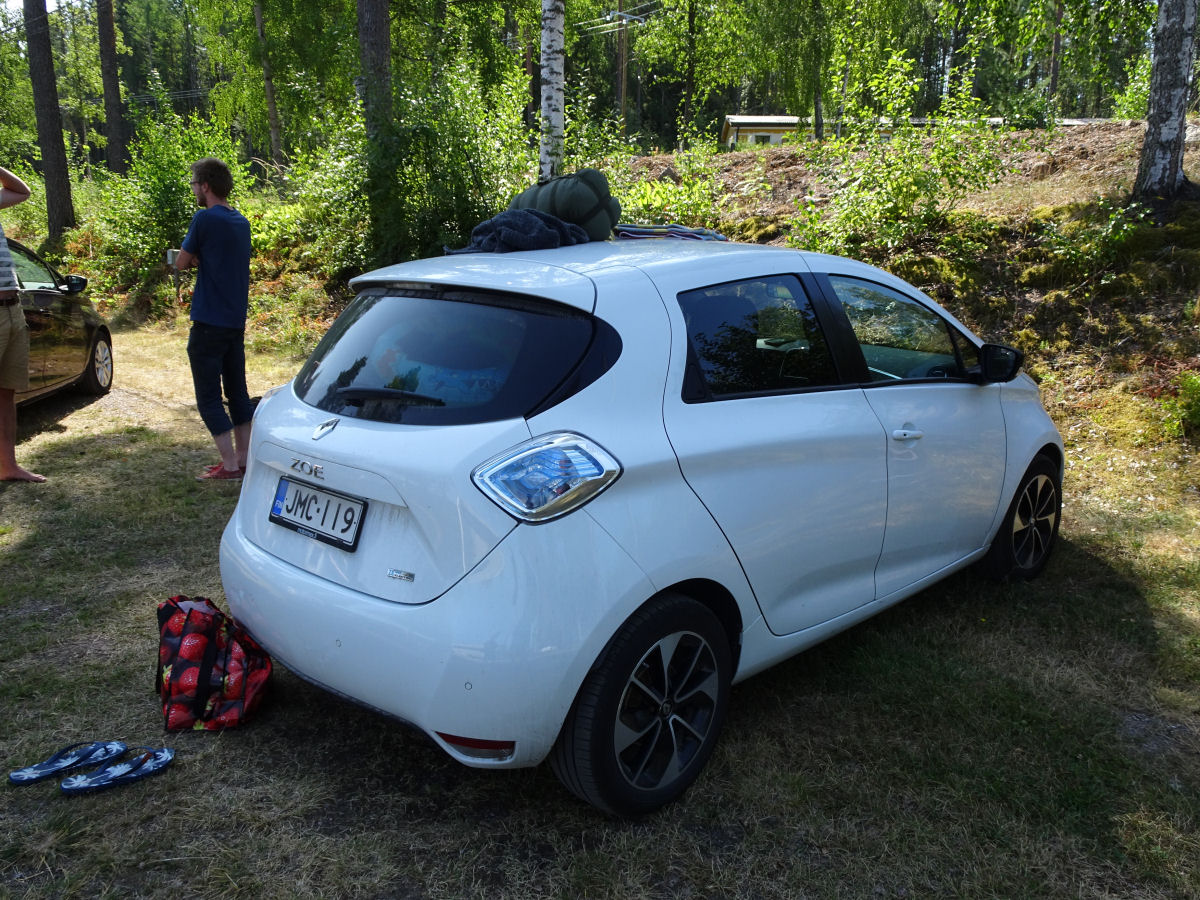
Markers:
{"x": 97, "y": 378}
{"x": 1028, "y": 532}
{"x": 648, "y": 715}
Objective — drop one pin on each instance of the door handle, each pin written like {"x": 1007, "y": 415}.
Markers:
{"x": 907, "y": 434}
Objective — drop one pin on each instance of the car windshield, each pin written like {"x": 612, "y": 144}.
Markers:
{"x": 422, "y": 358}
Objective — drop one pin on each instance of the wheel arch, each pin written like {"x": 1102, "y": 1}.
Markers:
{"x": 1053, "y": 453}
{"x": 720, "y": 601}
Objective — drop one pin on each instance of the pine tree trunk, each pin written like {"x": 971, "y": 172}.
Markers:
{"x": 550, "y": 156}
{"x": 116, "y": 148}
{"x": 1160, "y": 171}
{"x": 60, "y": 211}
{"x": 374, "y": 51}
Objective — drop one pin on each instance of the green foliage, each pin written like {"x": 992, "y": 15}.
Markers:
{"x": 1028, "y": 109}
{"x": 894, "y": 180}
{"x": 328, "y": 220}
{"x": 1134, "y": 101}
{"x": 457, "y": 159}
{"x": 148, "y": 211}
{"x": 27, "y": 221}
{"x": 1183, "y": 409}
{"x": 17, "y": 133}
{"x": 1088, "y": 245}
{"x": 689, "y": 194}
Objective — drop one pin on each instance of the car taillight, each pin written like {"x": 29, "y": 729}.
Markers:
{"x": 547, "y": 477}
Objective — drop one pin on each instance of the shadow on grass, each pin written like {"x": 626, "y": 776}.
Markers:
{"x": 46, "y": 415}
{"x": 1006, "y": 716}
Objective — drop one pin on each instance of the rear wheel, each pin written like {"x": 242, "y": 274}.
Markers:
{"x": 1028, "y": 533}
{"x": 97, "y": 378}
{"x": 648, "y": 715}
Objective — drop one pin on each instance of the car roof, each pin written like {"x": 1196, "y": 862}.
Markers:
{"x": 566, "y": 274}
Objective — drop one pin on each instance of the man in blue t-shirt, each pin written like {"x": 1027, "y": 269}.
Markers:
{"x": 218, "y": 242}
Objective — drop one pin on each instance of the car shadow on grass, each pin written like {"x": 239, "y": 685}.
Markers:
{"x": 975, "y": 715}
{"x": 46, "y": 415}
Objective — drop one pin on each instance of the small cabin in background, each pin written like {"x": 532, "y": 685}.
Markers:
{"x": 744, "y": 129}
{"x": 757, "y": 129}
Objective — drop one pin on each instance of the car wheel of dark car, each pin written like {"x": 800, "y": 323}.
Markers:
{"x": 1027, "y": 535}
{"x": 97, "y": 378}
{"x": 649, "y": 713}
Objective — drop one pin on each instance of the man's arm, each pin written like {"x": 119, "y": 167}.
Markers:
{"x": 12, "y": 189}
{"x": 186, "y": 260}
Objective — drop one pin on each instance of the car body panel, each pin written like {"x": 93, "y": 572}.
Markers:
{"x": 417, "y": 545}
{"x": 946, "y": 453}
{"x": 498, "y": 657}
{"x": 490, "y": 272}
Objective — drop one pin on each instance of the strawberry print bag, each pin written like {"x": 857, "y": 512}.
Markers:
{"x": 211, "y": 674}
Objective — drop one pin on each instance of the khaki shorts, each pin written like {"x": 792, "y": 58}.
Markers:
{"x": 14, "y": 349}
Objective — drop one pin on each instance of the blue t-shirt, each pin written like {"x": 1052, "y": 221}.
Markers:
{"x": 219, "y": 238}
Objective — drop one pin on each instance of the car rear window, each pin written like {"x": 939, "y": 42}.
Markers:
{"x": 450, "y": 358}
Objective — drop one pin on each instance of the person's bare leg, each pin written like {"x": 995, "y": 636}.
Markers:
{"x": 224, "y": 442}
{"x": 9, "y": 470}
{"x": 241, "y": 440}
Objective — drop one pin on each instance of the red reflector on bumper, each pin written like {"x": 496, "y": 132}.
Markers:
{"x": 478, "y": 747}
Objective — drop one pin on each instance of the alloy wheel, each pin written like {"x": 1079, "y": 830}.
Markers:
{"x": 1035, "y": 521}
{"x": 666, "y": 711}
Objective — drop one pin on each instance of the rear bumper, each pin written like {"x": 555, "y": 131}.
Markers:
{"x": 499, "y": 656}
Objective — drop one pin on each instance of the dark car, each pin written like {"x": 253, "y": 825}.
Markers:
{"x": 69, "y": 343}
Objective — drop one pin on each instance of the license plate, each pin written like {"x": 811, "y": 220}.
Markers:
{"x": 317, "y": 513}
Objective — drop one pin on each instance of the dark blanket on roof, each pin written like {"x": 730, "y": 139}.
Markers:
{"x": 522, "y": 229}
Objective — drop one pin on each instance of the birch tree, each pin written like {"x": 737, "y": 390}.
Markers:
{"x": 550, "y": 155}
{"x": 273, "y": 127}
{"x": 1160, "y": 171}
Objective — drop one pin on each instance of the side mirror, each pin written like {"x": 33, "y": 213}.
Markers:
{"x": 75, "y": 284}
{"x": 998, "y": 363}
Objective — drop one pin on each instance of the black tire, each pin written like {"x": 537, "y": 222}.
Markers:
{"x": 97, "y": 378}
{"x": 1029, "y": 530}
{"x": 649, "y": 713}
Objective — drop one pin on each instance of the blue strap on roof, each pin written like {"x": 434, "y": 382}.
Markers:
{"x": 628, "y": 231}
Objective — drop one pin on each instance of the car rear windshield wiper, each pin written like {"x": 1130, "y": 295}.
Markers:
{"x": 385, "y": 393}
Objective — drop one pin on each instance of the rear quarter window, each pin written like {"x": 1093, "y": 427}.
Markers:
{"x": 445, "y": 357}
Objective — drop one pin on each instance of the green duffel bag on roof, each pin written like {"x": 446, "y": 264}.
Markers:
{"x": 582, "y": 198}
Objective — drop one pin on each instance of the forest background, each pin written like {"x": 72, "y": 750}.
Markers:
{"x": 282, "y": 85}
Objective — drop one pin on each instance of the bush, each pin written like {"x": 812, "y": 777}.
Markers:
{"x": 692, "y": 195}
{"x": 148, "y": 211}
{"x": 894, "y": 180}
{"x": 1183, "y": 409}
{"x": 455, "y": 159}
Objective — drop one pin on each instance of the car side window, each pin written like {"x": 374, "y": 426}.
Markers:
{"x": 31, "y": 273}
{"x": 900, "y": 338}
{"x": 753, "y": 336}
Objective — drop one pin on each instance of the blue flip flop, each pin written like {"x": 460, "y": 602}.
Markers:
{"x": 144, "y": 761}
{"x": 68, "y": 758}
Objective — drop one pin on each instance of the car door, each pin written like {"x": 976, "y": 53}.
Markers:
{"x": 787, "y": 459}
{"x": 31, "y": 277}
{"x": 55, "y": 318}
{"x": 945, "y": 431}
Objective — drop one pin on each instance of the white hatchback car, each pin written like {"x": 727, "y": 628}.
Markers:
{"x": 555, "y": 503}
